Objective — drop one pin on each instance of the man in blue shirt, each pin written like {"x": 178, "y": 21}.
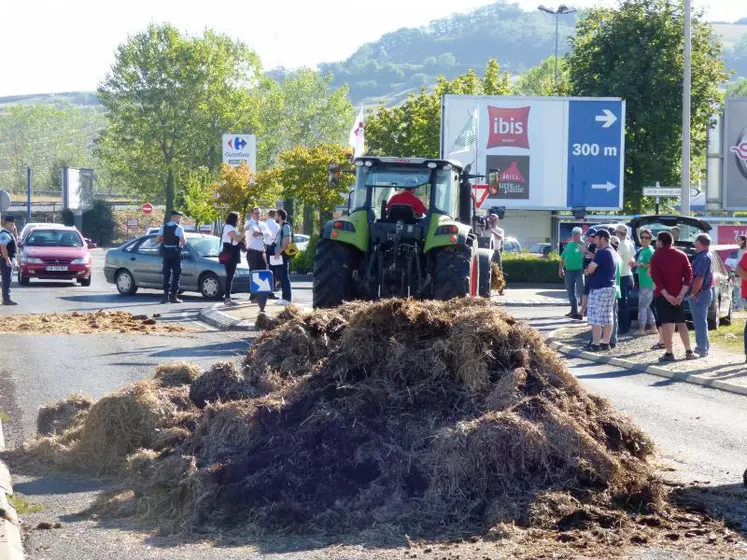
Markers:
{"x": 7, "y": 257}
{"x": 602, "y": 273}
{"x": 701, "y": 293}
{"x": 171, "y": 236}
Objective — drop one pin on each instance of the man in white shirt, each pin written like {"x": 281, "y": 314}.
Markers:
{"x": 627, "y": 254}
{"x": 255, "y": 233}
{"x": 273, "y": 228}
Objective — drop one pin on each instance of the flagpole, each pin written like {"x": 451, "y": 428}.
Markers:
{"x": 477, "y": 136}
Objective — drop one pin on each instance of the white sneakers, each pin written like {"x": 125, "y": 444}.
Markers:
{"x": 282, "y": 302}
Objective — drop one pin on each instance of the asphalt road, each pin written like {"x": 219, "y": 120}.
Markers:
{"x": 700, "y": 432}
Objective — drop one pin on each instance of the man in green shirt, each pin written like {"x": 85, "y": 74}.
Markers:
{"x": 572, "y": 269}
{"x": 646, "y": 319}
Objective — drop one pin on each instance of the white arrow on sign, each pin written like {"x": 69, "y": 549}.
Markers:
{"x": 263, "y": 283}
{"x": 609, "y": 118}
{"x": 604, "y": 186}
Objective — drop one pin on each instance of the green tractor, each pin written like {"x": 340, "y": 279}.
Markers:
{"x": 383, "y": 249}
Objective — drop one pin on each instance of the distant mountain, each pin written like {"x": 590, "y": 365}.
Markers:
{"x": 75, "y": 98}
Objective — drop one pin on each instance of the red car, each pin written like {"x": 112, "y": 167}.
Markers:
{"x": 55, "y": 253}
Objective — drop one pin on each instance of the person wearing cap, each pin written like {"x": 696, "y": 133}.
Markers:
{"x": 627, "y": 254}
{"x": 172, "y": 239}
{"x": 8, "y": 248}
{"x": 602, "y": 272}
{"x": 571, "y": 268}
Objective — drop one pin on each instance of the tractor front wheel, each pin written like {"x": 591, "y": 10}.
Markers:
{"x": 333, "y": 274}
{"x": 452, "y": 276}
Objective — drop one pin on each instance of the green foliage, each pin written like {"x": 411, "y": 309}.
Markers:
{"x": 540, "y": 80}
{"x": 238, "y": 189}
{"x": 737, "y": 89}
{"x": 304, "y": 262}
{"x": 169, "y": 98}
{"x": 736, "y": 58}
{"x": 413, "y": 128}
{"x": 23, "y": 507}
{"x": 635, "y": 52}
{"x": 199, "y": 196}
{"x": 46, "y": 138}
{"x": 523, "y": 267}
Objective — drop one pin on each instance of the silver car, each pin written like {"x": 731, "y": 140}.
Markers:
{"x": 138, "y": 264}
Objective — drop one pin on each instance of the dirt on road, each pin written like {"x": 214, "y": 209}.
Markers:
{"x": 98, "y": 322}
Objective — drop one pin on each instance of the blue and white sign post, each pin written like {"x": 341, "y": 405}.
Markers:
{"x": 596, "y": 150}
{"x": 260, "y": 284}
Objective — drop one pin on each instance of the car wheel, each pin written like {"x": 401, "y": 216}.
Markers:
{"x": 23, "y": 280}
{"x": 210, "y": 287}
{"x": 125, "y": 283}
{"x": 84, "y": 281}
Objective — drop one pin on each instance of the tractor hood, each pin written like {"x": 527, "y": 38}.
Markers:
{"x": 689, "y": 227}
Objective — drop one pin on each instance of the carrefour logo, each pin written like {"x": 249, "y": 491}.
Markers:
{"x": 237, "y": 143}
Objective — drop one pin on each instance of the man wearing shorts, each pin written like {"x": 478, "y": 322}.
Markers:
{"x": 602, "y": 272}
{"x": 672, "y": 276}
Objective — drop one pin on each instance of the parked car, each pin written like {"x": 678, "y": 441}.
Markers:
{"x": 689, "y": 228}
{"x": 541, "y": 249}
{"x": 301, "y": 241}
{"x": 138, "y": 264}
{"x": 511, "y": 245}
{"x": 54, "y": 253}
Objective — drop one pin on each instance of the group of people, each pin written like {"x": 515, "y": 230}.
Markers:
{"x": 599, "y": 279}
{"x": 265, "y": 242}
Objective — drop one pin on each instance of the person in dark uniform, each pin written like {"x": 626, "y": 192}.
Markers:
{"x": 8, "y": 250}
{"x": 172, "y": 239}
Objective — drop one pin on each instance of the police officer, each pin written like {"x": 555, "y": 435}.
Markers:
{"x": 7, "y": 256}
{"x": 172, "y": 238}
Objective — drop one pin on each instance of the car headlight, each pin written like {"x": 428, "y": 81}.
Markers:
{"x": 30, "y": 260}
{"x": 84, "y": 260}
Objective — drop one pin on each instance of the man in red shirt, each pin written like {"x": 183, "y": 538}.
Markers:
{"x": 742, "y": 273}
{"x": 672, "y": 276}
{"x": 405, "y": 197}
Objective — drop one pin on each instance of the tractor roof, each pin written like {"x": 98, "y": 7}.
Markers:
{"x": 415, "y": 161}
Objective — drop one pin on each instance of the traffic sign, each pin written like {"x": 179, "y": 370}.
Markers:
{"x": 675, "y": 192}
{"x": 596, "y": 148}
{"x": 240, "y": 148}
{"x": 261, "y": 282}
{"x": 147, "y": 208}
{"x": 132, "y": 222}
{"x": 4, "y": 200}
{"x": 480, "y": 194}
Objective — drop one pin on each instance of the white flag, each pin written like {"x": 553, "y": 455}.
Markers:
{"x": 467, "y": 139}
{"x": 357, "y": 135}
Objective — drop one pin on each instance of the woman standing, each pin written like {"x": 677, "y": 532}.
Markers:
{"x": 231, "y": 253}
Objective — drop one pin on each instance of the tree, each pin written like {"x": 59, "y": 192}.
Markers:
{"x": 540, "y": 80}
{"x": 239, "y": 190}
{"x": 200, "y": 199}
{"x": 169, "y": 97}
{"x": 635, "y": 52}
{"x": 413, "y": 128}
{"x": 304, "y": 176}
{"x": 737, "y": 89}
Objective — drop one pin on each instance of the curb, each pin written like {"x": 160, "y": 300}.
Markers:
{"x": 223, "y": 321}
{"x": 11, "y": 546}
{"x": 530, "y": 302}
{"x": 641, "y": 368}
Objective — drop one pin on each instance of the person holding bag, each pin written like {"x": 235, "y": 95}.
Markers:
{"x": 280, "y": 259}
{"x": 230, "y": 256}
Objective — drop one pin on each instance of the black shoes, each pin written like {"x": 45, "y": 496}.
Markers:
{"x": 175, "y": 299}
{"x": 10, "y": 302}
{"x": 165, "y": 298}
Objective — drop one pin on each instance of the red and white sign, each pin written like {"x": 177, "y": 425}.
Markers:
{"x": 728, "y": 233}
{"x": 509, "y": 127}
{"x": 480, "y": 194}
{"x": 147, "y": 208}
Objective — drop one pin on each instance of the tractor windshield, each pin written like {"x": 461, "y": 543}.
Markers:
{"x": 384, "y": 181}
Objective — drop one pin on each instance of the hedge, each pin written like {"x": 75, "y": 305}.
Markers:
{"x": 523, "y": 267}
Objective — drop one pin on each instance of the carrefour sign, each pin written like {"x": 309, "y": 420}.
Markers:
{"x": 240, "y": 148}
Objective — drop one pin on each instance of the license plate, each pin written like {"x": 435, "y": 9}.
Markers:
{"x": 56, "y": 269}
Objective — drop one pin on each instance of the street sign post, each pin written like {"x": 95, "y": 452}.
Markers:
{"x": 147, "y": 208}
{"x": 240, "y": 148}
{"x": 479, "y": 195}
{"x": 671, "y": 192}
{"x": 540, "y": 153}
{"x": 261, "y": 283}
{"x": 4, "y": 200}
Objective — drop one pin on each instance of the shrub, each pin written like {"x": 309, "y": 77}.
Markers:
{"x": 98, "y": 222}
{"x": 522, "y": 267}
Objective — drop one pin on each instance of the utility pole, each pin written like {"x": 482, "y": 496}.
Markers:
{"x": 686, "y": 109}
{"x": 28, "y": 193}
{"x": 562, "y": 9}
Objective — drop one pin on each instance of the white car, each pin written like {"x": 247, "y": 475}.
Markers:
{"x": 301, "y": 241}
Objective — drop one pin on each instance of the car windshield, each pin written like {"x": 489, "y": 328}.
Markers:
{"x": 54, "y": 238}
{"x": 682, "y": 233}
{"x": 205, "y": 246}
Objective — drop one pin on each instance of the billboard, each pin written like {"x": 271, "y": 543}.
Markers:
{"x": 77, "y": 188}
{"x": 238, "y": 149}
{"x": 539, "y": 153}
{"x": 734, "y": 179}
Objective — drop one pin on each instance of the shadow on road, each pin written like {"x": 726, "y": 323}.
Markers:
{"x": 725, "y": 501}
{"x": 228, "y": 349}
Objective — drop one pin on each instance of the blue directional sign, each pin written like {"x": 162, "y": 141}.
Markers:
{"x": 261, "y": 282}
{"x": 596, "y": 151}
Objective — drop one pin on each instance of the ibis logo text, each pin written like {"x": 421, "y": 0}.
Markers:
{"x": 509, "y": 128}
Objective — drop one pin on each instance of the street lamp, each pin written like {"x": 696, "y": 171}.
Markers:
{"x": 561, "y": 10}
{"x": 686, "y": 108}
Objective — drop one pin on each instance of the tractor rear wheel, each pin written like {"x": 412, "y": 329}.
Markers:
{"x": 452, "y": 274}
{"x": 333, "y": 274}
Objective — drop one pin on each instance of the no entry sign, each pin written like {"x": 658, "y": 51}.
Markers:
{"x": 147, "y": 208}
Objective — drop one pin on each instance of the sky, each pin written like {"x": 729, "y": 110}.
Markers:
{"x": 51, "y": 46}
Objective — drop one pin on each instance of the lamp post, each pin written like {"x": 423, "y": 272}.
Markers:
{"x": 561, "y": 10}
{"x": 686, "y": 108}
